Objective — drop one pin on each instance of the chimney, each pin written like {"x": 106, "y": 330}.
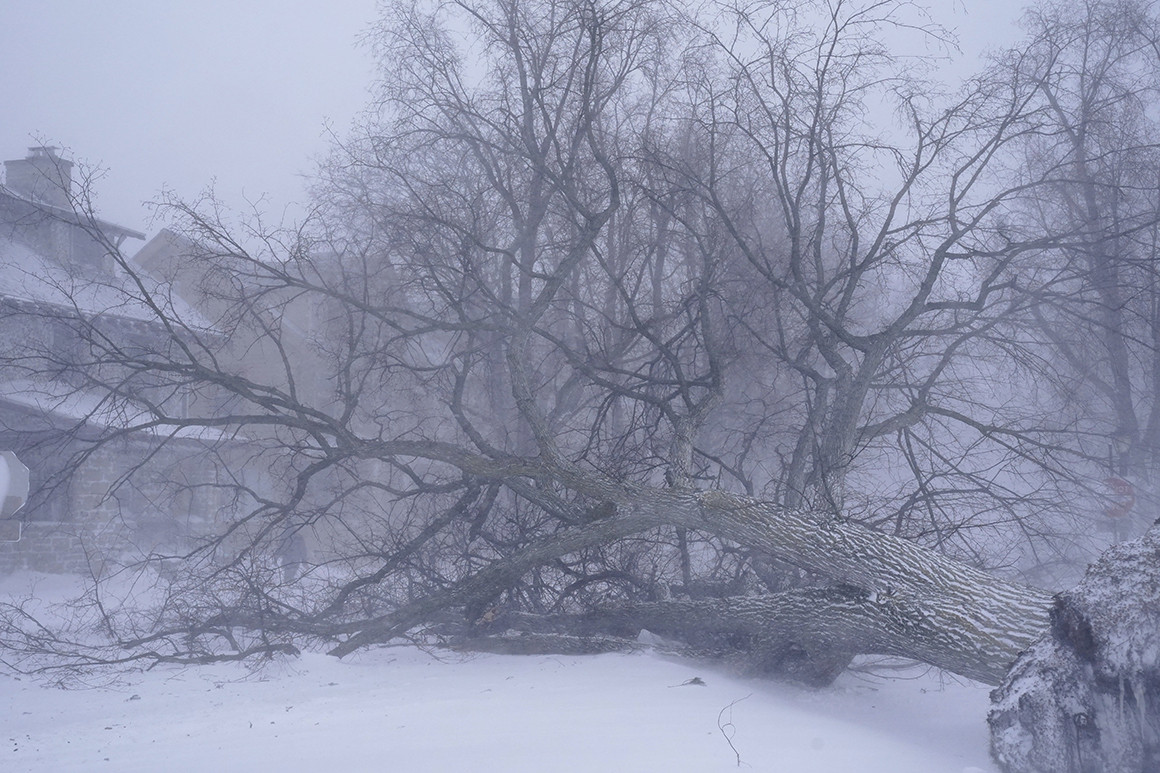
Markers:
{"x": 43, "y": 176}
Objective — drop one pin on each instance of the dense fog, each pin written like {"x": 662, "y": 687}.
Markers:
{"x": 790, "y": 333}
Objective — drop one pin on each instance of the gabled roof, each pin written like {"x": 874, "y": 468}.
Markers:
{"x": 67, "y": 215}
{"x": 26, "y": 275}
{"x": 64, "y": 406}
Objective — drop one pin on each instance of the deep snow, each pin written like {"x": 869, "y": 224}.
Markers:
{"x": 402, "y": 709}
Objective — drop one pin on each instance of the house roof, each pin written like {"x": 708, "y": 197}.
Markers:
{"x": 27, "y": 275}
{"x": 68, "y": 215}
{"x": 63, "y": 405}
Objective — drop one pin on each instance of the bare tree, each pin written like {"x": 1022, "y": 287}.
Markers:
{"x": 610, "y": 316}
{"x": 1094, "y": 65}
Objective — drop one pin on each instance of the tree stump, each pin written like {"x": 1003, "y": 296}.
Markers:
{"x": 1085, "y": 698}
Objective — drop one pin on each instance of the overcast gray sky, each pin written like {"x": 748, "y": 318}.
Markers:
{"x": 179, "y": 93}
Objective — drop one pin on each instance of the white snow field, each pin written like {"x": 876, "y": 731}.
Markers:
{"x": 402, "y": 709}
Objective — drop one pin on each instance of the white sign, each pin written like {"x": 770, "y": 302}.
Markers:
{"x": 13, "y": 484}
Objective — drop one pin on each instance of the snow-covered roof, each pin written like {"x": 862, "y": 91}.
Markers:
{"x": 96, "y": 408}
{"x": 67, "y": 215}
{"x": 65, "y": 402}
{"x": 27, "y": 275}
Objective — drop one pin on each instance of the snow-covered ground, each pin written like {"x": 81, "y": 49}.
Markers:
{"x": 401, "y": 709}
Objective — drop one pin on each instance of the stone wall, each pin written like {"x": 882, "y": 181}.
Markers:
{"x": 98, "y": 514}
{"x": 59, "y": 548}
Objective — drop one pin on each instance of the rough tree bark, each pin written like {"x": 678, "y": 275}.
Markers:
{"x": 899, "y": 598}
{"x": 808, "y": 635}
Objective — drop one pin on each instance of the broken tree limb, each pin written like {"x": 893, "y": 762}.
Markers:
{"x": 925, "y": 605}
{"x": 807, "y": 635}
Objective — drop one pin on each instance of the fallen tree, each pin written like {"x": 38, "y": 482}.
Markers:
{"x": 530, "y": 297}
{"x": 889, "y": 595}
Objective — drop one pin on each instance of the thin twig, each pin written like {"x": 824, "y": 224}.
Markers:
{"x": 728, "y": 729}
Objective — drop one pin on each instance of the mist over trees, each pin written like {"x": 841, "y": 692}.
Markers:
{"x": 725, "y": 322}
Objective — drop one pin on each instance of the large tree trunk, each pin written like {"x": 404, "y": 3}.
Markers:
{"x": 808, "y": 635}
{"x": 889, "y": 596}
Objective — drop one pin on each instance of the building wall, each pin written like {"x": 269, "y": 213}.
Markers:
{"x": 141, "y": 492}
{"x": 131, "y": 499}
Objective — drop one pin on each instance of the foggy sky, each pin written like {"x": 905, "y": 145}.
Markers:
{"x": 185, "y": 93}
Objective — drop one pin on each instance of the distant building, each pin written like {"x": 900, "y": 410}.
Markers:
{"x": 61, "y": 287}
{"x": 273, "y": 335}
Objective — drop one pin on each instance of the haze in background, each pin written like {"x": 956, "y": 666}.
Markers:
{"x": 241, "y": 94}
